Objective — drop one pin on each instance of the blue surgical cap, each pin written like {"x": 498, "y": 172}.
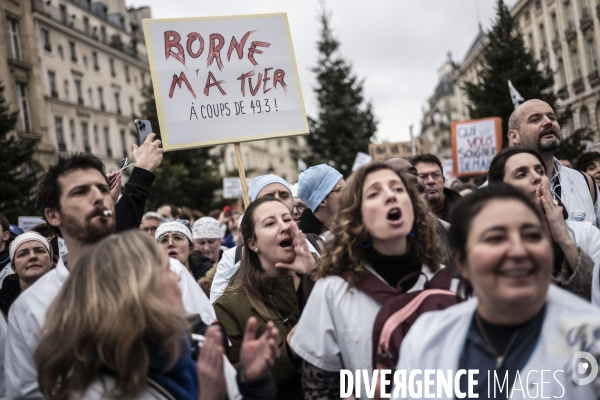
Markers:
{"x": 260, "y": 182}
{"x": 316, "y": 183}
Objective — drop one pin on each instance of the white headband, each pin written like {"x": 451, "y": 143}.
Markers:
{"x": 28, "y": 237}
{"x": 173, "y": 226}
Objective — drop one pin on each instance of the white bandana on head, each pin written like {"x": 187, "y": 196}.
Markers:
{"x": 172, "y": 226}
{"x": 28, "y": 237}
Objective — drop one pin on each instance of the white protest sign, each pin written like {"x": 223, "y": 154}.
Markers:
{"x": 474, "y": 145}
{"x": 448, "y": 167}
{"x": 224, "y": 79}
{"x": 26, "y": 223}
{"x": 232, "y": 187}
{"x": 360, "y": 160}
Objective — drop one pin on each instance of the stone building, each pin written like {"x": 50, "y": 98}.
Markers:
{"x": 439, "y": 111}
{"x": 274, "y": 156}
{"x": 564, "y": 35}
{"x": 76, "y": 68}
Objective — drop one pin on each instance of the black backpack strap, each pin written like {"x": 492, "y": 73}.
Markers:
{"x": 316, "y": 241}
{"x": 591, "y": 185}
{"x": 238, "y": 252}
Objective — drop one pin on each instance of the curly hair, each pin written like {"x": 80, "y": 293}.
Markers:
{"x": 584, "y": 160}
{"x": 344, "y": 254}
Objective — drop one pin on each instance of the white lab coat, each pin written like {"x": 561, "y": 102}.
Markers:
{"x": 225, "y": 270}
{"x": 28, "y": 313}
{"x": 575, "y": 194}
{"x": 437, "y": 338}
{"x": 335, "y": 330}
{"x": 587, "y": 237}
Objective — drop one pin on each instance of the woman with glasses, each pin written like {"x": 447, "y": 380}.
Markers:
{"x": 175, "y": 239}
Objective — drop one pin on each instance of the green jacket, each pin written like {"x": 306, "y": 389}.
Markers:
{"x": 233, "y": 311}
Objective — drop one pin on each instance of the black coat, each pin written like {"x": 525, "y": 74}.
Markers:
{"x": 11, "y": 289}
{"x": 452, "y": 198}
{"x": 129, "y": 209}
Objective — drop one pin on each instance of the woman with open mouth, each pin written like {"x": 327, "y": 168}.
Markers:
{"x": 272, "y": 283}
{"x": 575, "y": 244}
{"x": 523, "y": 335}
{"x": 382, "y": 227}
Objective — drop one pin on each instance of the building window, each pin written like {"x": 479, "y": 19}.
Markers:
{"x": 527, "y": 16}
{"x": 66, "y": 85}
{"x": 23, "y": 107}
{"x": 112, "y": 67}
{"x": 13, "y": 38}
{"x": 101, "y": 99}
{"x": 63, "y": 14}
{"x": 60, "y": 136}
{"x": 96, "y": 140}
{"x": 561, "y": 73}
{"x": 143, "y": 77}
{"x": 543, "y": 36}
{"x": 103, "y": 34}
{"x": 52, "y": 83}
{"x": 132, "y": 106}
{"x": 555, "y": 26}
{"x": 586, "y": 120}
{"x": 538, "y": 6}
{"x": 72, "y": 129}
{"x": 127, "y": 78}
{"x": 95, "y": 61}
{"x": 91, "y": 97}
{"x": 107, "y": 141}
{"x": 46, "y": 40}
{"x": 73, "y": 51}
{"x": 123, "y": 143}
{"x": 86, "y": 25}
{"x": 79, "y": 92}
{"x": 593, "y": 55}
{"x": 531, "y": 43}
{"x": 118, "y": 103}
{"x": 569, "y": 12}
{"x": 86, "y": 137}
{"x": 576, "y": 64}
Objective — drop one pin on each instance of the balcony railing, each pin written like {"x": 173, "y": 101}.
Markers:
{"x": 556, "y": 44}
{"x": 570, "y": 33}
{"x": 578, "y": 85}
{"x": 594, "y": 78}
{"x": 563, "y": 93}
{"x": 585, "y": 21}
{"x": 47, "y": 10}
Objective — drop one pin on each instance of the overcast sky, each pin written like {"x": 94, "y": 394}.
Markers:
{"x": 396, "y": 46}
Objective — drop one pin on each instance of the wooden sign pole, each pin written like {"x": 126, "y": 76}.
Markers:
{"x": 240, "y": 164}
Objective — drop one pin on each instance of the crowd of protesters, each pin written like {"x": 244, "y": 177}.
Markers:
{"x": 392, "y": 268}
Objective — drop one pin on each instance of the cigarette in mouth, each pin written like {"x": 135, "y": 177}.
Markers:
{"x": 108, "y": 214}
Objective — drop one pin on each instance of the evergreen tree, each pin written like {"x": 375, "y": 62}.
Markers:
{"x": 18, "y": 175}
{"x": 506, "y": 58}
{"x": 344, "y": 125}
{"x": 185, "y": 177}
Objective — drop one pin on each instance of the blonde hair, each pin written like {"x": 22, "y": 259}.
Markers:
{"x": 344, "y": 253}
{"x": 105, "y": 315}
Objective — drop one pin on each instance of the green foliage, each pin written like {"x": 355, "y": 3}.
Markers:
{"x": 506, "y": 58}
{"x": 571, "y": 147}
{"x": 185, "y": 177}
{"x": 18, "y": 178}
{"x": 344, "y": 125}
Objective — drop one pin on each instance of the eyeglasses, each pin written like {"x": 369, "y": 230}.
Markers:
{"x": 436, "y": 176}
{"x": 149, "y": 229}
{"x": 300, "y": 207}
